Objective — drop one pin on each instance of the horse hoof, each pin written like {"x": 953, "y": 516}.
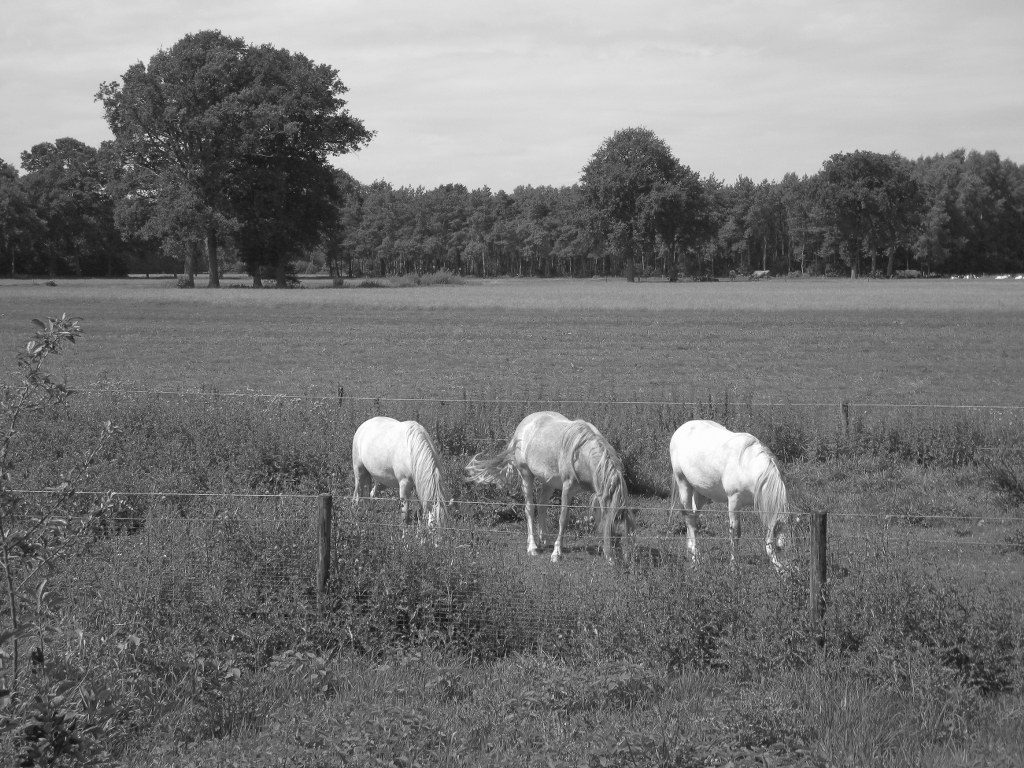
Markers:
{"x": 532, "y": 552}
{"x": 556, "y": 556}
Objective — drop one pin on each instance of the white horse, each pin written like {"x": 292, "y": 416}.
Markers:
{"x": 400, "y": 454}
{"x": 559, "y": 453}
{"x": 709, "y": 462}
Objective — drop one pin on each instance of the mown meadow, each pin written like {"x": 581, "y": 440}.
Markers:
{"x": 184, "y": 630}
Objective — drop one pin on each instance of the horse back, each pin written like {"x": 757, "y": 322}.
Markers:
{"x": 537, "y": 442}
{"x": 381, "y": 446}
{"x": 712, "y": 458}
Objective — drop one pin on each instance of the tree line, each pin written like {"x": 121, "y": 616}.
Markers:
{"x": 220, "y": 159}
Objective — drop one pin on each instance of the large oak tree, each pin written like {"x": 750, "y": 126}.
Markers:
{"x": 204, "y": 121}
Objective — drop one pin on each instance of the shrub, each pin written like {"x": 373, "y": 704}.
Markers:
{"x": 441, "y": 277}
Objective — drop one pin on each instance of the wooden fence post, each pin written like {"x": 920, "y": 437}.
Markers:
{"x": 844, "y": 408}
{"x": 819, "y": 573}
{"x": 323, "y": 566}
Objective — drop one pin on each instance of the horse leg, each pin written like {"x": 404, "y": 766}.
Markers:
{"x": 690, "y": 503}
{"x": 735, "y": 529}
{"x": 362, "y": 478}
{"x": 403, "y": 493}
{"x": 528, "y": 494}
{"x": 568, "y": 488}
{"x": 773, "y": 539}
{"x": 543, "y": 513}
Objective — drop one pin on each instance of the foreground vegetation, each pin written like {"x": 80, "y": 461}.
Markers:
{"x": 188, "y": 633}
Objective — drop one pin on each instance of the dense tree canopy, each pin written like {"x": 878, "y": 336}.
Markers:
{"x": 870, "y": 203}
{"x": 646, "y": 197}
{"x": 71, "y": 225}
{"x": 212, "y": 125}
{"x": 19, "y": 224}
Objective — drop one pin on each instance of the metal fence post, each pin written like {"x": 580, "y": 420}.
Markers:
{"x": 323, "y": 567}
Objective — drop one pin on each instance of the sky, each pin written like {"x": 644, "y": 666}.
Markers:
{"x": 502, "y": 94}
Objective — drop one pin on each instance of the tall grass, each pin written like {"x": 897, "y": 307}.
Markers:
{"x": 207, "y": 442}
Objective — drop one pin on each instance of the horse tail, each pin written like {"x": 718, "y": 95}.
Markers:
{"x": 495, "y": 470}
{"x": 770, "y": 496}
{"x": 673, "y": 494}
{"x": 426, "y": 471}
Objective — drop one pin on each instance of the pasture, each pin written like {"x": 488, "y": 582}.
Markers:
{"x": 922, "y": 341}
{"x": 194, "y": 615}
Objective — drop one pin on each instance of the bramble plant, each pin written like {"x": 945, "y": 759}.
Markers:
{"x": 33, "y": 539}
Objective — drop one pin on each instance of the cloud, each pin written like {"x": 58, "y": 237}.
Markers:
{"x": 524, "y": 92}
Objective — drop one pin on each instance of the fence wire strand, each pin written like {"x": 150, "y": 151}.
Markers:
{"x": 338, "y": 398}
{"x": 889, "y": 518}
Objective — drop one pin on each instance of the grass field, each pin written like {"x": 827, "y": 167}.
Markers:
{"x": 193, "y": 617}
{"x": 819, "y": 341}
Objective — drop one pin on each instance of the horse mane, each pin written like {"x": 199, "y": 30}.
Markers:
{"x": 770, "y": 496}
{"x": 609, "y": 472}
{"x": 425, "y": 467}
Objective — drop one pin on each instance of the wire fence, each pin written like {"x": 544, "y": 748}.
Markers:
{"x": 341, "y": 396}
{"x": 982, "y": 513}
{"x": 189, "y": 551}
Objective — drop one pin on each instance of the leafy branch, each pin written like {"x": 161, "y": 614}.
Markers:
{"x": 32, "y": 539}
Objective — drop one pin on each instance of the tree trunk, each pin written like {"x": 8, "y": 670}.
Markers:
{"x": 888, "y": 267}
{"x": 190, "y": 266}
{"x": 211, "y": 256}
{"x": 281, "y": 272}
{"x": 257, "y": 276}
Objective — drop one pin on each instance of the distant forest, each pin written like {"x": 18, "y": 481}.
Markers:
{"x": 219, "y": 162}
{"x": 964, "y": 214}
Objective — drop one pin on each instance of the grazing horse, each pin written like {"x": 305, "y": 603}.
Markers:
{"x": 709, "y": 462}
{"x": 559, "y": 453}
{"x": 399, "y": 454}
